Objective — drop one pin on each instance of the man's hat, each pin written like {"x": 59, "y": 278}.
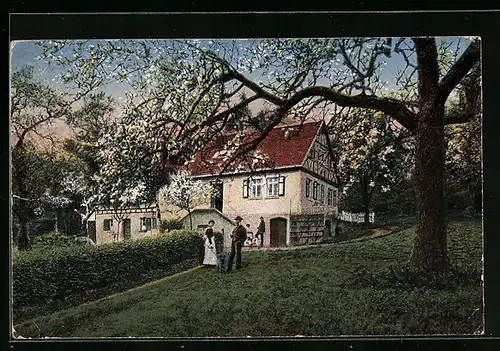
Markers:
{"x": 238, "y": 218}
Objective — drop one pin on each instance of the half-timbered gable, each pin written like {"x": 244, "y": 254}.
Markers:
{"x": 318, "y": 159}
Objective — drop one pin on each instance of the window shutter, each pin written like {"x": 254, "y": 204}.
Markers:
{"x": 245, "y": 189}
{"x": 281, "y": 186}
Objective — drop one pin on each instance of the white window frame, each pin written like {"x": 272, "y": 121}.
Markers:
{"x": 254, "y": 187}
{"x": 272, "y": 183}
{"x": 143, "y": 224}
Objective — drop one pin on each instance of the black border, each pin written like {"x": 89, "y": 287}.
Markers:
{"x": 303, "y": 24}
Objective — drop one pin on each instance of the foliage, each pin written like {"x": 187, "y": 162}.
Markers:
{"x": 52, "y": 240}
{"x": 373, "y": 156}
{"x": 59, "y": 274}
{"x": 185, "y": 192}
{"x": 349, "y": 231}
{"x": 43, "y": 177}
{"x": 168, "y": 225}
{"x": 463, "y": 168}
{"x": 302, "y": 291}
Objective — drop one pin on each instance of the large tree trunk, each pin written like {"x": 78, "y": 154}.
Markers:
{"x": 21, "y": 212}
{"x": 429, "y": 251}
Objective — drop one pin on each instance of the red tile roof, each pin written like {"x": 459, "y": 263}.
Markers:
{"x": 284, "y": 146}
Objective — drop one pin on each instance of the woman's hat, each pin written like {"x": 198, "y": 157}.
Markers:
{"x": 238, "y": 218}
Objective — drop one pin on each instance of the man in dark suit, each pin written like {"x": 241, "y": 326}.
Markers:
{"x": 261, "y": 230}
{"x": 238, "y": 237}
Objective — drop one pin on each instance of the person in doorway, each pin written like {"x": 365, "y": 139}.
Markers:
{"x": 210, "y": 257}
{"x": 238, "y": 237}
{"x": 261, "y": 230}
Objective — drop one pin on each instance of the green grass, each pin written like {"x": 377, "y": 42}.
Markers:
{"x": 315, "y": 291}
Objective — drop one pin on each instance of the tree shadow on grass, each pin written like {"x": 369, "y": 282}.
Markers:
{"x": 405, "y": 277}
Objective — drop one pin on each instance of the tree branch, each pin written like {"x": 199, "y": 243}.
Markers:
{"x": 392, "y": 107}
{"x": 458, "y": 71}
{"x": 458, "y": 117}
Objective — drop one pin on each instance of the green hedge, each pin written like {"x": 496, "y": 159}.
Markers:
{"x": 79, "y": 273}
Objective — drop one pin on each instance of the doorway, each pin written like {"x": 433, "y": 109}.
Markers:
{"x": 277, "y": 232}
{"x": 216, "y": 200}
{"x": 127, "y": 232}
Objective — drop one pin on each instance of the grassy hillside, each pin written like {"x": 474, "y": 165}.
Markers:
{"x": 342, "y": 289}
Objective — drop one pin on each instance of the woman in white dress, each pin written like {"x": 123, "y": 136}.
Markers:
{"x": 210, "y": 258}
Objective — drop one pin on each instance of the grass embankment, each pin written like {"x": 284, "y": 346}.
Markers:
{"x": 356, "y": 288}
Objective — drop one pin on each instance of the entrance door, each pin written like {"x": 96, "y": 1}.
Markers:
{"x": 127, "y": 232}
{"x": 277, "y": 232}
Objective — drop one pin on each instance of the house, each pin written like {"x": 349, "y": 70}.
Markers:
{"x": 107, "y": 225}
{"x": 288, "y": 179}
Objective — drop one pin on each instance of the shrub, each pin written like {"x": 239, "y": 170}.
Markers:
{"x": 52, "y": 239}
{"x": 77, "y": 272}
{"x": 169, "y": 225}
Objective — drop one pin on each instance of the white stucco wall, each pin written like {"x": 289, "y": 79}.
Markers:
{"x": 201, "y": 218}
{"x": 103, "y": 236}
{"x": 252, "y": 209}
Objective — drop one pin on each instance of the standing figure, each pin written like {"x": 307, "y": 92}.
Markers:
{"x": 210, "y": 258}
{"x": 261, "y": 230}
{"x": 249, "y": 240}
{"x": 238, "y": 237}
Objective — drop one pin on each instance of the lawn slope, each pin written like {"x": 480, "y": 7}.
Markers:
{"x": 356, "y": 288}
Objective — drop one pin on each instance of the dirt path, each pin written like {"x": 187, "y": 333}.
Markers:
{"x": 378, "y": 232}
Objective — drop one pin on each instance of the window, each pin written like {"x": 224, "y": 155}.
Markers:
{"x": 272, "y": 186}
{"x": 255, "y": 188}
{"x": 154, "y": 223}
{"x": 322, "y": 196}
{"x": 330, "y": 197}
{"x": 313, "y": 153}
{"x": 308, "y": 187}
{"x": 315, "y": 190}
{"x": 108, "y": 224}
{"x": 145, "y": 224}
{"x": 335, "y": 197}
